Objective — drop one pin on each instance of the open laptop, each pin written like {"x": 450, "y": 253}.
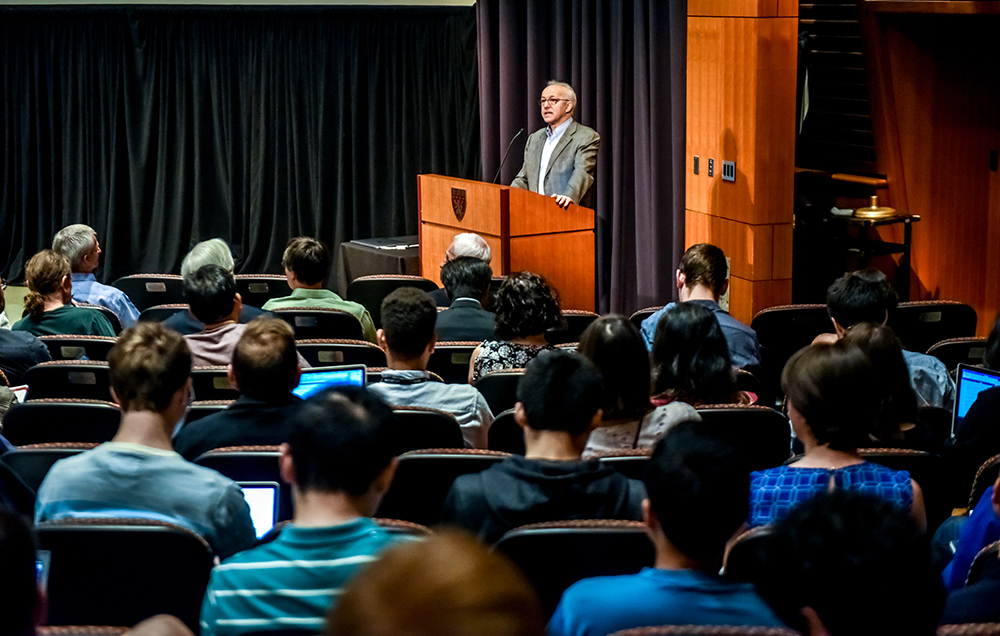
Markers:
{"x": 262, "y": 497}
{"x": 971, "y": 381}
{"x": 316, "y": 379}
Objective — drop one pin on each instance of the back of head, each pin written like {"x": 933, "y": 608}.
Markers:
{"x": 44, "y": 275}
{"x": 74, "y": 242}
{"x": 560, "y": 391}
{"x": 408, "y": 319}
{"x": 992, "y": 358}
{"x": 896, "y": 394}
{"x": 468, "y": 244}
{"x": 835, "y": 388}
{"x": 861, "y": 296}
{"x": 341, "y": 440}
{"x": 699, "y": 488}
{"x": 691, "y": 358}
{"x": 210, "y": 291}
{"x": 446, "y": 585}
{"x": 616, "y": 348}
{"x": 18, "y": 587}
{"x": 210, "y": 252}
{"x": 466, "y": 277}
{"x": 705, "y": 264}
{"x": 859, "y": 561}
{"x": 526, "y": 306}
{"x": 264, "y": 359}
{"x": 148, "y": 364}
{"x": 308, "y": 259}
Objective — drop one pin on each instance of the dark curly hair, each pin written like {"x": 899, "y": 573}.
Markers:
{"x": 526, "y": 306}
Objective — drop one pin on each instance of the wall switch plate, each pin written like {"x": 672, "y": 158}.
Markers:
{"x": 729, "y": 171}
{"x": 697, "y": 160}
{"x": 711, "y": 167}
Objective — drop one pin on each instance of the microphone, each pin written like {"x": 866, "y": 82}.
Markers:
{"x": 505, "y": 154}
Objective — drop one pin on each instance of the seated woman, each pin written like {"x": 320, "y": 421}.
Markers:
{"x": 616, "y": 348}
{"x": 833, "y": 401}
{"x": 691, "y": 360}
{"x": 49, "y": 303}
{"x": 526, "y": 308}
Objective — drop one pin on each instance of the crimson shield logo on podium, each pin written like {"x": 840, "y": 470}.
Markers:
{"x": 458, "y": 203}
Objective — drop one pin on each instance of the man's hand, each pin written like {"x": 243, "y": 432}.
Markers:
{"x": 562, "y": 200}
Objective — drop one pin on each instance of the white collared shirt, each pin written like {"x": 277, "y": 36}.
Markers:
{"x": 552, "y": 138}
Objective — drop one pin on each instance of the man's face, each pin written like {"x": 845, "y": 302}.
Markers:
{"x": 90, "y": 261}
{"x": 555, "y": 113}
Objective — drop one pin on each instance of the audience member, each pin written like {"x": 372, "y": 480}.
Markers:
{"x": 526, "y": 307}
{"x": 264, "y": 369}
{"x": 615, "y": 347}
{"x": 976, "y": 603}
{"x": 19, "y": 350}
{"x": 702, "y": 278}
{"x": 465, "y": 244}
{"x": 79, "y": 244}
{"x": 407, "y": 337}
{"x": 340, "y": 463}
{"x": 160, "y": 625}
{"x": 833, "y": 400}
{"x": 867, "y": 296}
{"x": 559, "y": 404}
{"x": 307, "y": 266}
{"x": 849, "y": 564}
{"x": 210, "y": 252}
{"x": 447, "y": 585}
{"x": 698, "y": 489}
{"x": 691, "y": 360}
{"x": 23, "y": 601}
{"x": 49, "y": 303}
{"x": 467, "y": 281}
{"x": 138, "y": 474}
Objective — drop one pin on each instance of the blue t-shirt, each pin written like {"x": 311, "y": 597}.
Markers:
{"x": 607, "y": 604}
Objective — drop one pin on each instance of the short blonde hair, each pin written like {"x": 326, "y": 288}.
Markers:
{"x": 148, "y": 364}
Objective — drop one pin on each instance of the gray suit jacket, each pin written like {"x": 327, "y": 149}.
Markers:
{"x": 571, "y": 166}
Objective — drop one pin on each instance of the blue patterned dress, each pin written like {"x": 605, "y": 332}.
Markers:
{"x": 773, "y": 492}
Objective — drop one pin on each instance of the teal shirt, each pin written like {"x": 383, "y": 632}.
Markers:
{"x": 325, "y": 298}
{"x": 67, "y": 320}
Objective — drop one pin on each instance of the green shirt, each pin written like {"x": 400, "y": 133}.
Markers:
{"x": 325, "y": 298}
{"x": 68, "y": 320}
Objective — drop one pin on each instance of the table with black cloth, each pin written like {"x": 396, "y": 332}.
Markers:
{"x": 358, "y": 260}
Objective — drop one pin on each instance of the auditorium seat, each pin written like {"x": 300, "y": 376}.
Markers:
{"x": 80, "y": 630}
{"x": 505, "y": 435}
{"x": 922, "y": 323}
{"x": 329, "y": 351}
{"x": 500, "y": 388}
{"x": 77, "y": 379}
{"x": 762, "y": 434}
{"x": 419, "y": 427}
{"x": 203, "y": 408}
{"x": 424, "y": 477}
{"x": 61, "y": 420}
{"x": 159, "y": 313}
{"x": 574, "y": 322}
{"x": 16, "y": 493}
{"x": 370, "y": 291}
{"x": 251, "y": 464}
{"x": 969, "y": 629}
{"x": 630, "y": 462}
{"x": 985, "y": 477}
{"x": 955, "y": 351}
{"x": 783, "y": 330}
{"x": 116, "y": 323}
{"x": 146, "y": 290}
{"x": 744, "y": 558}
{"x": 990, "y": 552}
{"x": 312, "y": 323}
{"x": 637, "y": 318}
{"x": 450, "y": 360}
{"x": 212, "y": 383}
{"x": 65, "y": 347}
{"x": 257, "y": 289}
{"x": 32, "y": 462}
{"x": 927, "y": 469}
{"x": 715, "y": 630}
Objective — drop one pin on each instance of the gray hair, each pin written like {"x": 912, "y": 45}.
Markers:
{"x": 468, "y": 244}
{"x": 211, "y": 252}
{"x": 569, "y": 89}
{"x": 74, "y": 242}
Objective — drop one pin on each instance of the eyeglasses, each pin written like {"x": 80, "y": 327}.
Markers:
{"x": 551, "y": 100}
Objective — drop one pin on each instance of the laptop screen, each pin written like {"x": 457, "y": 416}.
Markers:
{"x": 971, "y": 382}
{"x": 319, "y": 378}
{"x": 262, "y": 497}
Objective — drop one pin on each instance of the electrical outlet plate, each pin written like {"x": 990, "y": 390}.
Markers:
{"x": 729, "y": 171}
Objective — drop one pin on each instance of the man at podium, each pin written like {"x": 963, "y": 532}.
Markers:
{"x": 559, "y": 159}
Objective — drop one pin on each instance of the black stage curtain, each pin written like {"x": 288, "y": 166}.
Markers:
{"x": 626, "y": 60}
{"x": 162, "y": 126}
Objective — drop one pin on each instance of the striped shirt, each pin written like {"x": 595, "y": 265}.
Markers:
{"x": 291, "y": 582}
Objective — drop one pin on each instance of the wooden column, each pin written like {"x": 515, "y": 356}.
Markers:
{"x": 741, "y": 70}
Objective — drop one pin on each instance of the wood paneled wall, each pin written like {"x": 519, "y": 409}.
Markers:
{"x": 741, "y": 69}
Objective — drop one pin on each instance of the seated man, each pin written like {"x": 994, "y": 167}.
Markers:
{"x": 559, "y": 404}
{"x": 210, "y": 252}
{"x": 307, "y": 266}
{"x": 340, "y": 463}
{"x": 79, "y": 244}
{"x": 407, "y": 337}
{"x": 265, "y": 369}
{"x": 867, "y": 296}
{"x": 211, "y": 294}
{"x": 465, "y": 244}
{"x": 698, "y": 498}
{"x": 137, "y": 474}
{"x": 19, "y": 350}
{"x": 702, "y": 278}
{"x": 467, "y": 281}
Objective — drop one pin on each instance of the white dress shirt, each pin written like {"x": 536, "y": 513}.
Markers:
{"x": 551, "y": 139}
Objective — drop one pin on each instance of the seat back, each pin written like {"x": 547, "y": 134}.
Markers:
{"x": 32, "y": 462}
{"x": 985, "y": 477}
{"x": 159, "y": 313}
{"x": 629, "y": 462}
{"x": 745, "y": 555}
{"x": 116, "y": 323}
{"x": 146, "y": 290}
{"x": 370, "y": 291}
{"x": 714, "y": 630}
{"x": 450, "y": 360}
{"x": 639, "y": 316}
{"x": 203, "y": 408}
{"x": 257, "y": 289}
{"x": 327, "y": 352}
{"x": 212, "y": 383}
{"x": 424, "y": 477}
{"x": 418, "y": 427}
{"x": 122, "y": 571}
{"x": 321, "y": 322}
{"x": 78, "y": 347}
{"x": 762, "y": 434}
{"x": 955, "y": 351}
{"x": 61, "y": 420}
{"x": 251, "y": 463}
{"x": 505, "y": 435}
{"x": 500, "y": 388}
{"x": 77, "y": 379}
{"x": 927, "y": 469}
{"x": 783, "y": 330}
{"x": 969, "y": 629}
{"x": 574, "y": 322}
{"x": 555, "y": 555}
{"x": 922, "y": 323}
{"x": 979, "y": 562}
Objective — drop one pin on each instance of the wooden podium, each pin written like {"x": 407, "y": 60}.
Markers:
{"x": 525, "y": 231}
